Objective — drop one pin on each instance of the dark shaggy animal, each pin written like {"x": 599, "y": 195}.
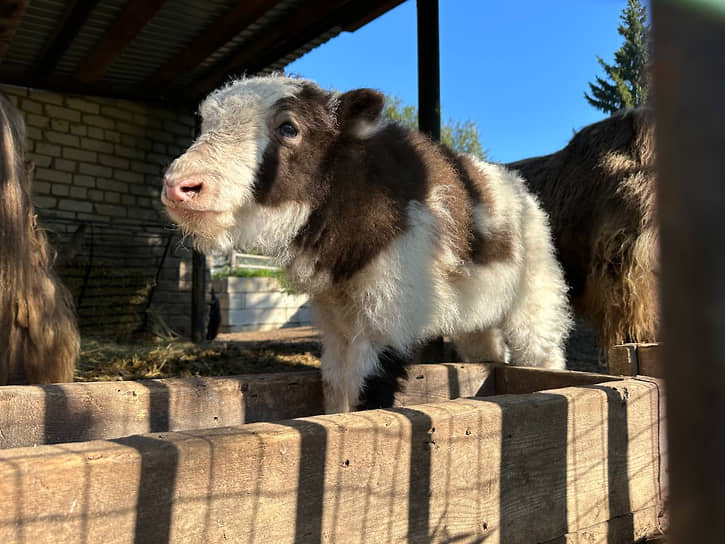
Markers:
{"x": 600, "y": 193}
{"x": 39, "y": 341}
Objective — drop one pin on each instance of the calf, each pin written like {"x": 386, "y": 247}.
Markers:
{"x": 395, "y": 238}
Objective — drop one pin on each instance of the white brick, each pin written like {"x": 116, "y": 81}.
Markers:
{"x": 67, "y": 166}
{"x": 44, "y": 202}
{"x": 111, "y": 185}
{"x": 53, "y": 175}
{"x": 82, "y": 104}
{"x": 61, "y": 112}
{"x": 79, "y": 192}
{"x": 109, "y": 209}
{"x": 59, "y": 125}
{"x": 85, "y": 181}
{"x": 79, "y": 154}
{"x": 61, "y": 138}
{"x": 111, "y": 160}
{"x": 75, "y": 206}
{"x": 94, "y": 170}
{"x": 40, "y": 121}
{"x": 51, "y": 150}
{"x": 31, "y": 106}
{"x": 60, "y": 190}
{"x": 96, "y": 145}
{"x": 47, "y": 97}
{"x": 99, "y": 122}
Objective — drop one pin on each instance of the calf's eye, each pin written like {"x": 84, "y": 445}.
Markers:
{"x": 287, "y": 130}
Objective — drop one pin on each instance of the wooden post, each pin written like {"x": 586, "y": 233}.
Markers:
{"x": 429, "y": 93}
{"x": 198, "y": 291}
{"x": 689, "y": 77}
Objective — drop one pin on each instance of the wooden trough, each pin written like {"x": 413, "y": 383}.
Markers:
{"x": 520, "y": 455}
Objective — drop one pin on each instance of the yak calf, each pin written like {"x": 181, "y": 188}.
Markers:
{"x": 395, "y": 238}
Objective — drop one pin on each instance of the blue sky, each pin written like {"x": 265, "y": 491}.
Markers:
{"x": 519, "y": 68}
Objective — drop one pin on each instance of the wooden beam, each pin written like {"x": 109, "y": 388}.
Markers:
{"x": 117, "y": 37}
{"x": 74, "y": 16}
{"x": 514, "y": 468}
{"x": 365, "y": 12}
{"x": 689, "y": 85}
{"x": 212, "y": 38}
{"x": 50, "y": 414}
{"x": 288, "y": 30}
{"x": 11, "y": 13}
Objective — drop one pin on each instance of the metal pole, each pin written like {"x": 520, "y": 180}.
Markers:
{"x": 429, "y": 108}
{"x": 429, "y": 92}
{"x": 689, "y": 77}
{"x": 198, "y": 282}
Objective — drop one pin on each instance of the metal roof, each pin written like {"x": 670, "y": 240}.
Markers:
{"x": 164, "y": 50}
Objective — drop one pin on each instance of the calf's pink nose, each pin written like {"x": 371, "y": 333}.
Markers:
{"x": 182, "y": 190}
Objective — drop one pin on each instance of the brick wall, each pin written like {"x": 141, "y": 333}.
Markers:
{"x": 98, "y": 172}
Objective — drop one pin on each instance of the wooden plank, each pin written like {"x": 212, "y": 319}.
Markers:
{"x": 649, "y": 360}
{"x": 10, "y": 16}
{"x": 689, "y": 83}
{"x": 218, "y": 33}
{"x": 635, "y": 526}
{"x": 74, "y": 16}
{"x": 622, "y": 360}
{"x": 521, "y": 379}
{"x": 134, "y": 17}
{"x": 49, "y": 414}
{"x": 512, "y": 468}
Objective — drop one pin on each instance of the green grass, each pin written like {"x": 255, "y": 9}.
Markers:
{"x": 279, "y": 275}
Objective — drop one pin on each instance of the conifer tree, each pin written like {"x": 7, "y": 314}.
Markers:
{"x": 627, "y": 82}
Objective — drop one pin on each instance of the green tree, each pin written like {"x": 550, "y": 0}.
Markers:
{"x": 627, "y": 82}
{"x": 461, "y": 136}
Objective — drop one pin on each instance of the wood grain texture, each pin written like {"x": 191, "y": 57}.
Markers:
{"x": 511, "y": 468}
{"x": 622, "y": 360}
{"x": 49, "y": 414}
{"x": 521, "y": 379}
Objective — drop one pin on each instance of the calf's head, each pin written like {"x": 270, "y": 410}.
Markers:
{"x": 263, "y": 161}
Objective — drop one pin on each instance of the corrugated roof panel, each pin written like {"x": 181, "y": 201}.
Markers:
{"x": 98, "y": 22}
{"x": 38, "y": 24}
{"x": 268, "y": 19}
{"x": 172, "y": 29}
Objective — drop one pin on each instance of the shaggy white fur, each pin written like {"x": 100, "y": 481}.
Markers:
{"x": 510, "y": 306}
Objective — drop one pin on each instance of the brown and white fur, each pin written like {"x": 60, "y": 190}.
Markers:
{"x": 600, "y": 193}
{"x": 395, "y": 238}
{"x": 39, "y": 340}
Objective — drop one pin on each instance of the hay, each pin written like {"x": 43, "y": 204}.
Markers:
{"x": 107, "y": 359}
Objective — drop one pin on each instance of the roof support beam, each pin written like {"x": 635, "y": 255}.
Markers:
{"x": 134, "y": 17}
{"x": 11, "y": 13}
{"x": 74, "y": 17}
{"x": 212, "y": 38}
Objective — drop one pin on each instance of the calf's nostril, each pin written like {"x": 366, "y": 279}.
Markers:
{"x": 192, "y": 188}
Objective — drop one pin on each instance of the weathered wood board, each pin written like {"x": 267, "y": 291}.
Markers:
{"x": 49, "y": 414}
{"x": 636, "y": 359}
{"x": 566, "y": 465}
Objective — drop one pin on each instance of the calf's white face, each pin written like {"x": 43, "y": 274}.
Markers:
{"x": 207, "y": 189}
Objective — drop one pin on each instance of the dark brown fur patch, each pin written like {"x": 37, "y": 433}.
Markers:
{"x": 497, "y": 246}
{"x": 359, "y": 189}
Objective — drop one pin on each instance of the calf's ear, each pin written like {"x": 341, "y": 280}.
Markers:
{"x": 359, "y": 109}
